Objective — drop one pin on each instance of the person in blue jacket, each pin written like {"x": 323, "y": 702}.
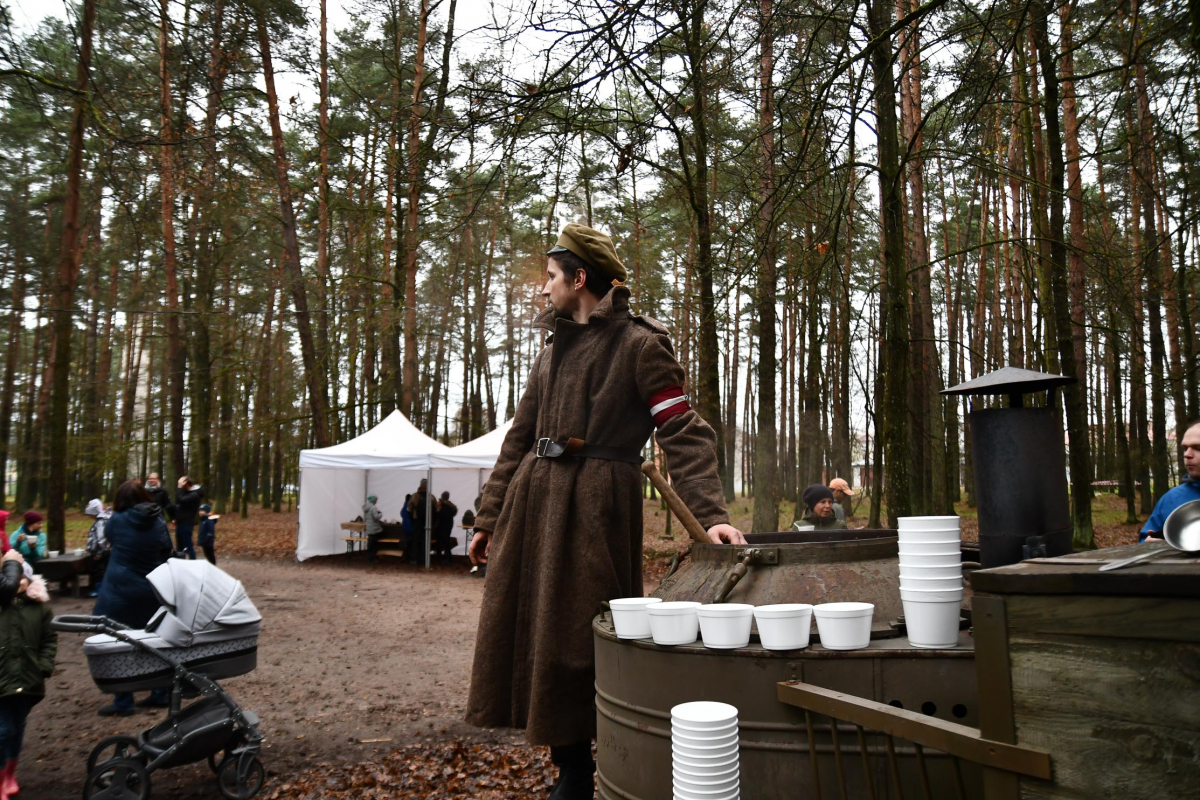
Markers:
{"x": 30, "y": 540}
{"x": 1185, "y": 492}
{"x": 207, "y": 535}
{"x": 140, "y": 543}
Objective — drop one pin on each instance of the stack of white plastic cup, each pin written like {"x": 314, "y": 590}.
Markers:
{"x": 931, "y": 586}
{"x": 704, "y": 751}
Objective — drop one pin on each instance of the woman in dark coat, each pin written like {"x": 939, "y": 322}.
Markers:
{"x": 140, "y": 542}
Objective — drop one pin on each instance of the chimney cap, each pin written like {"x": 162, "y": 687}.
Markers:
{"x": 1010, "y": 381}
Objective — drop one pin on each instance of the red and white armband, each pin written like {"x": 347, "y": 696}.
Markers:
{"x": 667, "y": 403}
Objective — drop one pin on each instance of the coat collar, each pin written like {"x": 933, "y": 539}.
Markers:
{"x": 613, "y": 306}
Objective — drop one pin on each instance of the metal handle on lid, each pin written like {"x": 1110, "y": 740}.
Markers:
{"x": 1125, "y": 562}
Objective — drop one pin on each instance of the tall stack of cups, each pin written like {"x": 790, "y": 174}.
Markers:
{"x": 931, "y": 586}
{"x": 704, "y": 751}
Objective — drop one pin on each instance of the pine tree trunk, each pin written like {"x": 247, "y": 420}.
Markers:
{"x": 64, "y": 291}
{"x": 313, "y": 369}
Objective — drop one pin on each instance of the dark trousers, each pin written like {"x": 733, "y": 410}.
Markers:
{"x": 97, "y": 567}
{"x": 183, "y": 538}
{"x": 372, "y": 546}
{"x": 14, "y": 710}
{"x": 209, "y": 554}
{"x": 574, "y": 756}
{"x": 124, "y": 700}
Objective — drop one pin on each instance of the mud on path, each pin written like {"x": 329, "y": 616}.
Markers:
{"x": 354, "y": 661}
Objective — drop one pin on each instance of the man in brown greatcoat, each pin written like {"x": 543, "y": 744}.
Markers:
{"x": 561, "y": 518}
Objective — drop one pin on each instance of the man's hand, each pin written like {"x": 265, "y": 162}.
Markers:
{"x": 725, "y": 534}
{"x": 481, "y": 544}
{"x": 183, "y": 482}
{"x": 13, "y": 555}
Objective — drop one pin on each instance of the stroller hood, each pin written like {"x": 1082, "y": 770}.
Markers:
{"x": 200, "y": 603}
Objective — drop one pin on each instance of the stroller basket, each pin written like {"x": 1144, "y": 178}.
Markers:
{"x": 118, "y": 666}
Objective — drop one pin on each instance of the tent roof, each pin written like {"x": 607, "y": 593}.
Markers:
{"x": 394, "y": 443}
{"x": 478, "y": 453}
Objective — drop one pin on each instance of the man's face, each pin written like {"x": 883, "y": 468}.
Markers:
{"x": 839, "y": 495}
{"x": 152, "y": 480}
{"x": 561, "y": 291}
{"x": 1191, "y": 451}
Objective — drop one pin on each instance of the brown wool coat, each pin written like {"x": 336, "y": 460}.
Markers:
{"x": 566, "y": 532}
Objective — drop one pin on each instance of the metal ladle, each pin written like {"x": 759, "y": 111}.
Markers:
{"x": 1181, "y": 530}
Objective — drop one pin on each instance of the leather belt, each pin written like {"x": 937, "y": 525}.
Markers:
{"x": 577, "y": 448}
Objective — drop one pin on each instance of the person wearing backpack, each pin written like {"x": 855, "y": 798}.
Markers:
{"x": 207, "y": 536}
{"x": 98, "y": 547}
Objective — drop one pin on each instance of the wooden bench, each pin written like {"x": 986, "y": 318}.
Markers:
{"x": 66, "y": 569}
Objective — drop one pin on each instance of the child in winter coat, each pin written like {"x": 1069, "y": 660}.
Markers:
{"x": 207, "y": 538}
{"x": 98, "y": 546}
{"x": 27, "y": 649}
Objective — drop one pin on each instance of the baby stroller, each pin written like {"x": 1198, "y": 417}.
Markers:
{"x": 206, "y": 630}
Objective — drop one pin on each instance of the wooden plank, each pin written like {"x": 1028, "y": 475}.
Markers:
{"x": 990, "y": 622}
{"x": 389, "y": 552}
{"x": 1101, "y": 758}
{"x": 1119, "y": 680}
{"x": 1174, "y": 575}
{"x": 949, "y": 737}
{"x": 1109, "y": 617}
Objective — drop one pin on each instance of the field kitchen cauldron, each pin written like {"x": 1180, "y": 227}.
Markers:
{"x": 638, "y": 682}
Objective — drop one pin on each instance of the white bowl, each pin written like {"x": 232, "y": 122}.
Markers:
{"x": 938, "y": 547}
{"x": 927, "y": 523}
{"x": 931, "y": 595}
{"x": 726, "y": 626}
{"x": 697, "y": 770}
{"x": 844, "y": 626}
{"x": 630, "y": 618}
{"x": 714, "y": 743}
{"x": 713, "y": 754}
{"x": 931, "y": 559}
{"x": 706, "y": 788}
{"x": 674, "y": 622}
{"x": 932, "y": 624}
{"x": 784, "y": 626}
{"x": 52, "y": 553}
{"x": 705, "y": 714}
{"x": 697, "y": 732}
{"x": 691, "y": 791}
{"x": 924, "y": 537}
{"x": 929, "y": 584}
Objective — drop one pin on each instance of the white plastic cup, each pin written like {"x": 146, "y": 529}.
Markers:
{"x": 705, "y": 714}
{"x": 53, "y": 554}
{"x": 630, "y": 618}
{"x": 674, "y": 622}
{"x": 700, "y": 753}
{"x": 927, "y": 584}
{"x": 923, "y": 537}
{"x": 932, "y": 624}
{"x": 694, "y": 769}
{"x": 931, "y": 595}
{"x": 941, "y": 547}
{"x": 784, "y": 626}
{"x": 919, "y": 570}
{"x": 693, "y": 732}
{"x": 689, "y": 740}
{"x": 725, "y": 626}
{"x": 931, "y": 559}
{"x": 927, "y": 523}
{"x": 707, "y": 788}
{"x": 844, "y": 626}
{"x": 684, "y": 794}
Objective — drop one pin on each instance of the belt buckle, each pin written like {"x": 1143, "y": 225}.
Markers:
{"x": 542, "y": 444}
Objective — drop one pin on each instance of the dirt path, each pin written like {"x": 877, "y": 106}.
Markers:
{"x": 348, "y": 654}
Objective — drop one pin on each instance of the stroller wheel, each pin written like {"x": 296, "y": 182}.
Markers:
{"x": 240, "y": 777}
{"x": 118, "y": 779}
{"x": 110, "y": 747}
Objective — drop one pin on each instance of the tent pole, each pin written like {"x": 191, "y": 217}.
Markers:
{"x": 428, "y": 515}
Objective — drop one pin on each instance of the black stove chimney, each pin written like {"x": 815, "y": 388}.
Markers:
{"x": 1020, "y": 468}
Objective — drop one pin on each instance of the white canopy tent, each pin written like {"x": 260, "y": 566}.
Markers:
{"x": 388, "y": 461}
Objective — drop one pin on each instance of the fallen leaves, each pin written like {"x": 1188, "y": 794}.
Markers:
{"x": 431, "y": 770}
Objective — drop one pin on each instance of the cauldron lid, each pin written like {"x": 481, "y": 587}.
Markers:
{"x": 1010, "y": 381}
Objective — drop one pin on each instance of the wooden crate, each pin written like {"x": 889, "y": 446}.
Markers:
{"x": 1100, "y": 669}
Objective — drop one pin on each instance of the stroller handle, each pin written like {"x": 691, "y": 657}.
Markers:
{"x": 80, "y": 623}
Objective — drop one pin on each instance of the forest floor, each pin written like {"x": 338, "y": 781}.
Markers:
{"x": 362, "y": 675}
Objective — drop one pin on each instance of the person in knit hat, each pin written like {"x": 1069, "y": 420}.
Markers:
{"x": 30, "y": 540}
{"x": 818, "y": 509}
{"x": 26, "y": 661}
